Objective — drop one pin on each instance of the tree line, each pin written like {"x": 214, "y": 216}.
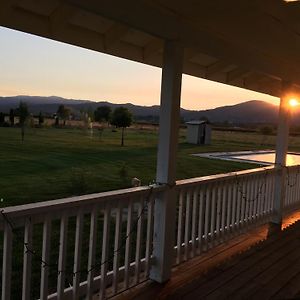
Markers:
{"x": 120, "y": 117}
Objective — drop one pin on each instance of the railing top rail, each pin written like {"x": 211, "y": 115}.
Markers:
{"x": 223, "y": 176}
{"x": 77, "y": 201}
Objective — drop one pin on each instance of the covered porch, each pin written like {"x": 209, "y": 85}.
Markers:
{"x": 140, "y": 234}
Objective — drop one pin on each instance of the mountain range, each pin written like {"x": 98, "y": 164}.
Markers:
{"x": 253, "y": 111}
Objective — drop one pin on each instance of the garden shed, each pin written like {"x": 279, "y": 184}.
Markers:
{"x": 198, "y": 132}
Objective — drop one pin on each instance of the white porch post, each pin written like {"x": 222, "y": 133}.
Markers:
{"x": 165, "y": 205}
{"x": 280, "y": 159}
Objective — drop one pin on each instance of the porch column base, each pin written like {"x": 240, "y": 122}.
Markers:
{"x": 274, "y": 228}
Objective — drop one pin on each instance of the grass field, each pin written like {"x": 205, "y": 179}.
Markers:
{"x": 55, "y": 163}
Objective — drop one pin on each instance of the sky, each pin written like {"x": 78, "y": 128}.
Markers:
{"x": 31, "y": 65}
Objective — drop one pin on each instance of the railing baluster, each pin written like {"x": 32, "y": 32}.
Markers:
{"x": 128, "y": 244}
{"x": 187, "y": 225}
{"x": 27, "y": 260}
{"x": 92, "y": 253}
{"x": 243, "y": 204}
{"x": 263, "y": 195}
{"x": 180, "y": 226}
{"x": 6, "y": 267}
{"x": 194, "y": 219}
{"x": 229, "y": 208}
{"x": 234, "y": 206}
{"x": 105, "y": 247}
{"x": 149, "y": 235}
{"x": 77, "y": 255}
{"x": 225, "y": 201}
{"x": 268, "y": 191}
{"x": 219, "y": 202}
{"x": 252, "y": 200}
{"x": 201, "y": 219}
{"x": 139, "y": 240}
{"x": 213, "y": 213}
{"x": 117, "y": 245}
{"x": 239, "y": 199}
{"x": 62, "y": 257}
{"x": 259, "y": 192}
{"x": 207, "y": 197}
{"x": 45, "y": 258}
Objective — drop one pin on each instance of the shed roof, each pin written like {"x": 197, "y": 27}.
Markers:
{"x": 196, "y": 122}
{"x": 252, "y": 44}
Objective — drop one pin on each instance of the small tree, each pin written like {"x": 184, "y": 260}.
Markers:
{"x": 102, "y": 114}
{"x": 121, "y": 117}
{"x": 63, "y": 113}
{"x": 23, "y": 116}
{"x": 41, "y": 119}
{"x": 12, "y": 117}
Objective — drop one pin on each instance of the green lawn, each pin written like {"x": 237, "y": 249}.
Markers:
{"x": 55, "y": 163}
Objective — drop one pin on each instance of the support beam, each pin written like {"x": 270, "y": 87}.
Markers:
{"x": 280, "y": 159}
{"x": 218, "y": 66}
{"x": 152, "y": 48}
{"x": 165, "y": 205}
{"x": 114, "y": 34}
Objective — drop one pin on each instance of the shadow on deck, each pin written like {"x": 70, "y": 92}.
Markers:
{"x": 250, "y": 266}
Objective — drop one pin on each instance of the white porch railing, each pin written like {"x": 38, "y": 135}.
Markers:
{"x": 107, "y": 235}
{"x": 104, "y": 241}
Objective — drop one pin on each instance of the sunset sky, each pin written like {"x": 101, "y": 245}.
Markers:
{"x": 31, "y": 65}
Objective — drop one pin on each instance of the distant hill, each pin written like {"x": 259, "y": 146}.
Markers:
{"x": 254, "y": 111}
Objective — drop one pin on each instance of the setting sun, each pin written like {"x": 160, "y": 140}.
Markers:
{"x": 293, "y": 102}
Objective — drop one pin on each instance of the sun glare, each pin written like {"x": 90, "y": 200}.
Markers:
{"x": 293, "y": 102}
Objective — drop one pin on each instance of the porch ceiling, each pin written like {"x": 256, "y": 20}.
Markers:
{"x": 251, "y": 44}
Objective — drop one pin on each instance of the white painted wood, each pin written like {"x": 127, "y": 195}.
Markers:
{"x": 105, "y": 254}
{"x": 207, "y": 198}
{"x": 248, "y": 200}
{"x": 27, "y": 260}
{"x": 224, "y": 211}
{"x": 139, "y": 241}
{"x": 77, "y": 255}
{"x": 128, "y": 243}
{"x": 234, "y": 206}
{"x": 180, "y": 225}
{"x": 117, "y": 247}
{"x": 269, "y": 191}
{"x": 239, "y": 199}
{"x": 86, "y": 202}
{"x": 165, "y": 206}
{"x": 243, "y": 201}
{"x": 187, "y": 227}
{"x": 92, "y": 253}
{"x": 263, "y": 195}
{"x": 45, "y": 258}
{"x": 214, "y": 196}
{"x": 229, "y": 208}
{"x": 219, "y": 204}
{"x": 149, "y": 238}
{"x": 281, "y": 152}
{"x": 6, "y": 266}
{"x": 260, "y": 195}
{"x": 256, "y": 187}
{"x": 201, "y": 219}
{"x": 62, "y": 257}
{"x": 194, "y": 220}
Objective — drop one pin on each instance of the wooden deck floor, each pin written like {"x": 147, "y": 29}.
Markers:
{"x": 247, "y": 267}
